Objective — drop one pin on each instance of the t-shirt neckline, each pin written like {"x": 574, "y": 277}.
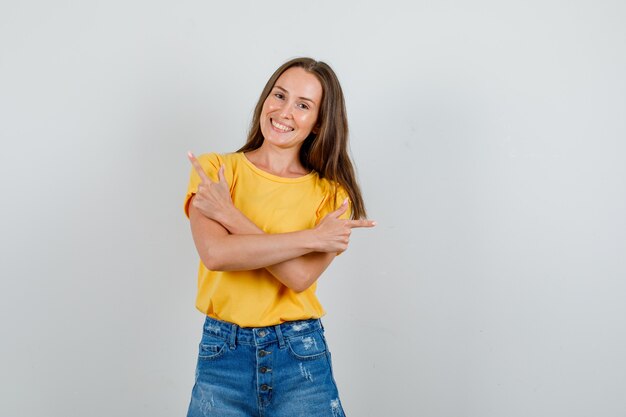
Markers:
{"x": 272, "y": 176}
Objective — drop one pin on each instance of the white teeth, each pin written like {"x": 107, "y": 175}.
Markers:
{"x": 281, "y": 127}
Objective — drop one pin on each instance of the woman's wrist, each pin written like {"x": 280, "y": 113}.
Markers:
{"x": 225, "y": 216}
{"x": 309, "y": 239}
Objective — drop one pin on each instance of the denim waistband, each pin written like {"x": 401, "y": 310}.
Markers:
{"x": 259, "y": 335}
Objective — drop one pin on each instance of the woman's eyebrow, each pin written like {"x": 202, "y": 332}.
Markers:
{"x": 301, "y": 98}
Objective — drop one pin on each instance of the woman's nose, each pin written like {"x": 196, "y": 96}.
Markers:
{"x": 285, "y": 110}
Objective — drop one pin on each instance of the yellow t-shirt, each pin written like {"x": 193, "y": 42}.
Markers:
{"x": 275, "y": 204}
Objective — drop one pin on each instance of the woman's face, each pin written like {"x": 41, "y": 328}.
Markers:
{"x": 290, "y": 112}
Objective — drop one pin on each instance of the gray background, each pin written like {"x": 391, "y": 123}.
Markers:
{"x": 489, "y": 138}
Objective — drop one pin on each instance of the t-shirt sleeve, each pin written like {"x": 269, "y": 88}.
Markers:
{"x": 210, "y": 163}
{"x": 332, "y": 203}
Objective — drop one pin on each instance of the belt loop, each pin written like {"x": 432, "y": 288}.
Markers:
{"x": 233, "y": 336}
{"x": 279, "y": 335}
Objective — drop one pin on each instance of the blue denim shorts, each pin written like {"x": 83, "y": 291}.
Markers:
{"x": 275, "y": 371}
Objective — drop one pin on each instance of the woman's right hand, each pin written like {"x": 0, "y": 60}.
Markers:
{"x": 332, "y": 234}
{"x": 212, "y": 198}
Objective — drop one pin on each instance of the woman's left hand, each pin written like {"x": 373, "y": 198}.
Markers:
{"x": 212, "y": 198}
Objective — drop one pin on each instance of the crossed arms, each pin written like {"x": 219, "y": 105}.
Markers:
{"x": 227, "y": 240}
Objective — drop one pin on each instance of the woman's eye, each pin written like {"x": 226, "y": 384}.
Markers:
{"x": 303, "y": 106}
{"x": 279, "y": 96}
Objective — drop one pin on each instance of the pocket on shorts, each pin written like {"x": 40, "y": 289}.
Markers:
{"x": 307, "y": 347}
{"x": 211, "y": 347}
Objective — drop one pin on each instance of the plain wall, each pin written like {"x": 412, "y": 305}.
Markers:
{"x": 489, "y": 138}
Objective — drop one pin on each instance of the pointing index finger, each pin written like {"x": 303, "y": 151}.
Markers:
{"x": 361, "y": 223}
{"x": 196, "y": 164}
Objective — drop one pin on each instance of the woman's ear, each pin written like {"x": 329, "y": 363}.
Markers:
{"x": 316, "y": 129}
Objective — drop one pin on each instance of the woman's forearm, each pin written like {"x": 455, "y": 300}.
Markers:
{"x": 297, "y": 273}
{"x": 301, "y": 272}
{"x": 232, "y": 252}
{"x": 238, "y": 223}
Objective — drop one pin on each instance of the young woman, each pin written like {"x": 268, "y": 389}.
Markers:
{"x": 267, "y": 220}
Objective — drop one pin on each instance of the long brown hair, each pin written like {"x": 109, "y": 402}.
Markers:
{"x": 326, "y": 151}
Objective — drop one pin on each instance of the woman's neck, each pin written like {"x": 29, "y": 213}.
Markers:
{"x": 277, "y": 161}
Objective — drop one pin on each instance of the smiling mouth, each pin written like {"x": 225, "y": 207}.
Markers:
{"x": 281, "y": 127}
